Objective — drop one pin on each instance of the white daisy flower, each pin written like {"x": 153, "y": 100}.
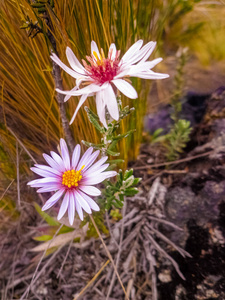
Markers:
{"x": 102, "y": 76}
{"x": 72, "y": 180}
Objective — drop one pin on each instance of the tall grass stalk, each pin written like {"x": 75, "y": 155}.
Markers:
{"x": 28, "y": 103}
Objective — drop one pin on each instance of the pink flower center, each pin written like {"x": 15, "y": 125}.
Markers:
{"x": 102, "y": 69}
{"x": 71, "y": 178}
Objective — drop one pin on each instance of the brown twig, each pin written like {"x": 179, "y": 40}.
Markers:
{"x": 118, "y": 253}
{"x": 174, "y": 162}
{"x": 60, "y": 98}
{"x": 56, "y": 72}
{"x": 18, "y": 174}
{"x": 109, "y": 256}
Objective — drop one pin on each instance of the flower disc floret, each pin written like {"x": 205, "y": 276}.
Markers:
{"x": 102, "y": 69}
{"x": 72, "y": 179}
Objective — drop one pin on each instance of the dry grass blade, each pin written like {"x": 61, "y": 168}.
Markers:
{"x": 92, "y": 280}
{"x": 168, "y": 241}
{"x": 22, "y": 145}
{"x": 7, "y": 189}
{"x": 34, "y": 278}
{"x": 165, "y": 254}
{"x": 59, "y": 240}
{"x": 109, "y": 256}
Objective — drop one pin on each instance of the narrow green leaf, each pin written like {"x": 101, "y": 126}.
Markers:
{"x": 115, "y": 161}
{"x": 131, "y": 191}
{"x": 95, "y": 146}
{"x": 112, "y": 153}
{"x": 94, "y": 119}
{"x": 128, "y": 173}
{"x": 43, "y": 238}
{"x": 124, "y": 135}
{"x": 129, "y": 181}
{"x": 51, "y": 221}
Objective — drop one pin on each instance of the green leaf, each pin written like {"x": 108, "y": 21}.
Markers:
{"x": 137, "y": 180}
{"x": 113, "y": 145}
{"x": 95, "y": 146}
{"x": 112, "y": 153}
{"x": 129, "y": 181}
{"x": 51, "y": 221}
{"x": 94, "y": 119}
{"x": 43, "y": 238}
{"x": 131, "y": 191}
{"x": 115, "y": 161}
{"x": 128, "y": 173}
{"x": 124, "y": 135}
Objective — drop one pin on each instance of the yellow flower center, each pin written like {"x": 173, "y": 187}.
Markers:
{"x": 71, "y": 178}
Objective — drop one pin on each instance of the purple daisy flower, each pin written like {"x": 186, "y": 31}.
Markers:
{"x": 72, "y": 180}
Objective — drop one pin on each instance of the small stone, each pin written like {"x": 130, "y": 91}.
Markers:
{"x": 165, "y": 276}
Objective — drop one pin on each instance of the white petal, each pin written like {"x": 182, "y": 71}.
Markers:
{"x": 42, "y": 173}
{"x": 64, "y": 206}
{"x": 69, "y": 96}
{"x": 109, "y": 174}
{"x": 56, "y": 185}
{"x": 75, "y": 156}
{"x": 80, "y": 103}
{"x": 59, "y": 161}
{"x": 125, "y": 88}
{"x": 151, "y": 47}
{"x": 145, "y": 66}
{"x": 111, "y": 102}
{"x": 100, "y": 104}
{"x": 91, "y": 160}
{"x": 78, "y": 207}
{"x": 71, "y": 209}
{"x": 48, "y": 188}
{"x": 84, "y": 159}
{"x": 90, "y": 190}
{"x": 97, "y": 177}
{"x": 94, "y": 179}
{"x": 49, "y": 169}
{"x": 90, "y": 201}
{"x": 65, "y": 154}
{"x": 82, "y": 203}
{"x": 152, "y": 75}
{"x": 55, "y": 58}
{"x": 123, "y": 73}
{"x": 95, "y": 171}
{"x": 94, "y": 47}
{"x": 112, "y": 51}
{"x": 131, "y": 51}
{"x": 91, "y": 88}
{"x": 83, "y": 78}
{"x": 74, "y": 62}
{"x": 97, "y": 164}
{"x": 51, "y": 201}
{"x": 43, "y": 180}
{"x": 51, "y": 162}
{"x": 142, "y": 54}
